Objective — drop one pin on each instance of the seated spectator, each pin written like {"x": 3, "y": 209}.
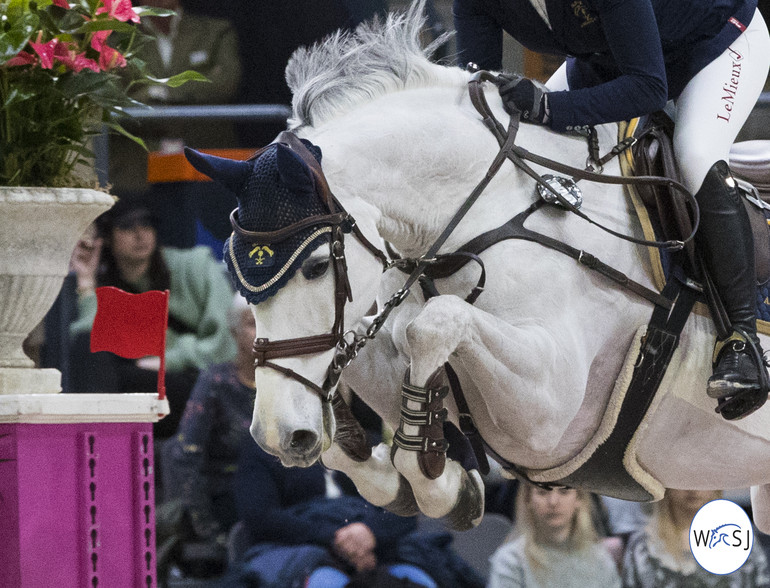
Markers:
{"x": 554, "y": 543}
{"x": 199, "y": 462}
{"x": 126, "y": 255}
{"x": 659, "y": 555}
{"x": 308, "y": 527}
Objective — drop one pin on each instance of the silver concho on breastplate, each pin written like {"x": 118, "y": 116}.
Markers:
{"x": 565, "y": 187}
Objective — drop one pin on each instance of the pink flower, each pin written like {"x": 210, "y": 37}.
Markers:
{"x": 108, "y": 56}
{"x": 21, "y": 58}
{"x": 119, "y": 9}
{"x": 45, "y": 51}
{"x": 67, "y": 54}
{"x": 61, "y": 3}
{"x": 99, "y": 39}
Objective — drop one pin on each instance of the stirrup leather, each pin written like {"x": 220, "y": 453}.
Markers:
{"x": 429, "y": 419}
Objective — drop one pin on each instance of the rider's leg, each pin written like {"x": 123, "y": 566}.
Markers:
{"x": 716, "y": 102}
{"x": 710, "y": 111}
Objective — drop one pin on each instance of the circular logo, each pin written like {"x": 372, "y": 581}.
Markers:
{"x": 721, "y": 537}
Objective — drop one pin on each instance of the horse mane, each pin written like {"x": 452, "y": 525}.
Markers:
{"x": 352, "y": 67}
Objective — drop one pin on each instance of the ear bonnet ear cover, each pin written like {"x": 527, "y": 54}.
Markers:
{"x": 274, "y": 191}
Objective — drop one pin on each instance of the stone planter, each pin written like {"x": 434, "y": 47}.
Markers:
{"x": 39, "y": 228}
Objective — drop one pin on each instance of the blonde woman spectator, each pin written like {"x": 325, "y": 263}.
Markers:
{"x": 659, "y": 555}
{"x": 554, "y": 543}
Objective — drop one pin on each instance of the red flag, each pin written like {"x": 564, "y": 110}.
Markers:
{"x": 132, "y": 325}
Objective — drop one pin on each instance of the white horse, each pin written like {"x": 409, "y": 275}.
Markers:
{"x": 546, "y": 349}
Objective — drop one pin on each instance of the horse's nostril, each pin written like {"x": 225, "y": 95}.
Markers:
{"x": 303, "y": 440}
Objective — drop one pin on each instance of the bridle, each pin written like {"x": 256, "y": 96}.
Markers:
{"x": 339, "y": 223}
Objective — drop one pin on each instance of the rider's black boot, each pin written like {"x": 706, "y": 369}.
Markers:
{"x": 739, "y": 378}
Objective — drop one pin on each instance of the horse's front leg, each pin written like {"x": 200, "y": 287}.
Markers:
{"x": 370, "y": 469}
{"x": 506, "y": 359}
{"x": 375, "y": 478}
{"x": 442, "y": 486}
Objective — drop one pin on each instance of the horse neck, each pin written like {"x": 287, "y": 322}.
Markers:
{"x": 416, "y": 155}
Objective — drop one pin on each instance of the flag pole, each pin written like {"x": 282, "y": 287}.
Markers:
{"x": 162, "y": 368}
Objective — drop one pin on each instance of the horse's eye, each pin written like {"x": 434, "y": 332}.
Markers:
{"x": 315, "y": 268}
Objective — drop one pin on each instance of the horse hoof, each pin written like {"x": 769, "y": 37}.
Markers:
{"x": 350, "y": 435}
{"x": 469, "y": 508}
{"x": 404, "y": 505}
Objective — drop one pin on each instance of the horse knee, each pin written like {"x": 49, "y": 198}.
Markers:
{"x": 436, "y": 332}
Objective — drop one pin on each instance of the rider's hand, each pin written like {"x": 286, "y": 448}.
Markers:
{"x": 522, "y": 95}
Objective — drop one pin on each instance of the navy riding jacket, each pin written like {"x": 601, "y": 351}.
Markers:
{"x": 625, "y": 58}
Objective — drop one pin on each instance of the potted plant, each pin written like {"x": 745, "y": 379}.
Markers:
{"x": 67, "y": 71}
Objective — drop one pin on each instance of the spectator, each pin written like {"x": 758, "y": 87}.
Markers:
{"x": 659, "y": 555}
{"x": 188, "y": 41}
{"x": 308, "y": 526}
{"x": 200, "y": 460}
{"x": 126, "y": 255}
{"x": 554, "y": 543}
{"x": 269, "y": 31}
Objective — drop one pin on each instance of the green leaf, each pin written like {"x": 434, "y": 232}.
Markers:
{"x": 179, "y": 79}
{"x": 70, "y": 21}
{"x": 143, "y": 11}
{"x": 15, "y": 96}
{"x": 73, "y": 84}
{"x": 119, "y": 129}
{"x": 17, "y": 36}
{"x": 107, "y": 25}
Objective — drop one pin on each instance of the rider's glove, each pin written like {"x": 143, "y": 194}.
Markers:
{"x": 522, "y": 95}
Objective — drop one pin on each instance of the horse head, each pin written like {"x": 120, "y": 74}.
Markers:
{"x": 289, "y": 258}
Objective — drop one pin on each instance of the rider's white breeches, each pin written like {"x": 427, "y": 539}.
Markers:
{"x": 715, "y": 104}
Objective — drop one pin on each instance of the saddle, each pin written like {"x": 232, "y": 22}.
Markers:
{"x": 750, "y": 161}
{"x": 663, "y": 214}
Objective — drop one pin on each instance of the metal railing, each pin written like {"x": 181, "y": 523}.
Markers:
{"x": 244, "y": 113}
{"x": 147, "y": 117}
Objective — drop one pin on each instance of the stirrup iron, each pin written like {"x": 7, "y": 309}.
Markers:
{"x": 744, "y": 400}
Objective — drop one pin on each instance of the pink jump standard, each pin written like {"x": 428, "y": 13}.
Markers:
{"x": 77, "y": 489}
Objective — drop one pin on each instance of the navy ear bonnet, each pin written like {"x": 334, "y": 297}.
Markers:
{"x": 274, "y": 191}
